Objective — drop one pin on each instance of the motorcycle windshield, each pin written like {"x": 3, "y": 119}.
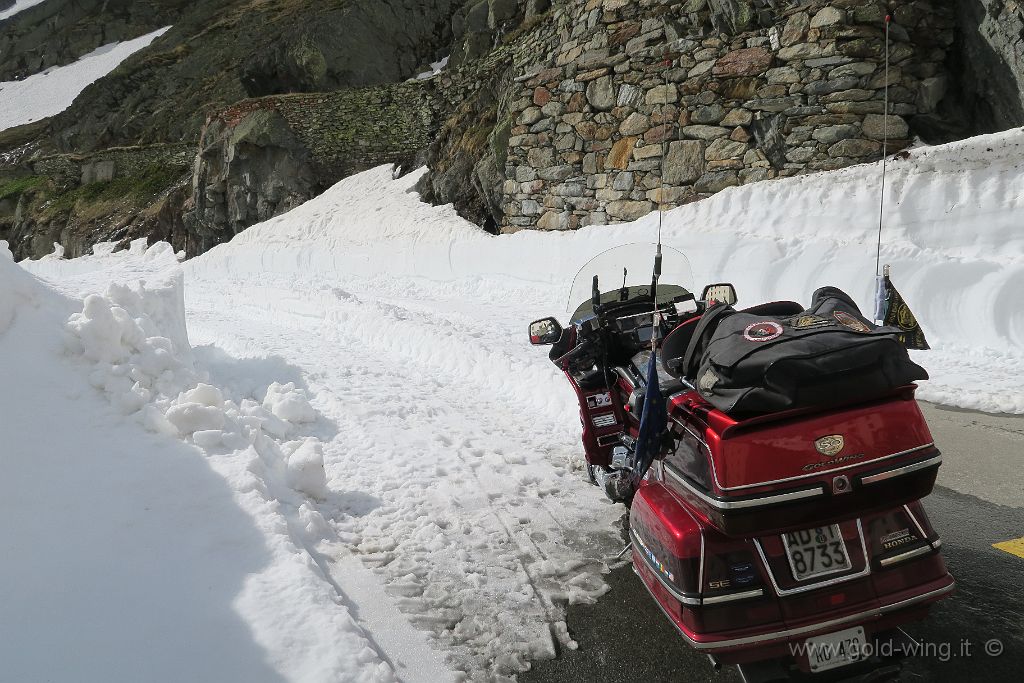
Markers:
{"x": 629, "y": 266}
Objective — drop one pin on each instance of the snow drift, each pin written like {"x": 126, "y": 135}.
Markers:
{"x": 180, "y": 522}
{"x": 951, "y": 236}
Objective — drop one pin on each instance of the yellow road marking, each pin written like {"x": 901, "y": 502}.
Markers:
{"x": 1014, "y": 547}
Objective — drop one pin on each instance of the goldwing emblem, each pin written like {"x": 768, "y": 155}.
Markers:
{"x": 830, "y": 445}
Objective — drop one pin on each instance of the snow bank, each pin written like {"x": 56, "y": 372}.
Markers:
{"x": 245, "y": 550}
{"x": 952, "y": 238}
{"x": 15, "y": 287}
{"x": 18, "y": 6}
{"x": 135, "y": 338}
{"x": 52, "y": 91}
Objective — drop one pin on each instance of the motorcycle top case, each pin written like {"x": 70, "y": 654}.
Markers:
{"x": 800, "y": 468}
{"x": 752, "y": 363}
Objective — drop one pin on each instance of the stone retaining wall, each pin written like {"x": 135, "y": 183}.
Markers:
{"x": 82, "y": 169}
{"x": 357, "y": 128}
{"x": 641, "y": 103}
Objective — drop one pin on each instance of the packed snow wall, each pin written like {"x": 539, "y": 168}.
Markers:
{"x": 951, "y": 236}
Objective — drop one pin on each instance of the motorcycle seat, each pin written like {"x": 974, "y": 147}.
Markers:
{"x": 674, "y": 345}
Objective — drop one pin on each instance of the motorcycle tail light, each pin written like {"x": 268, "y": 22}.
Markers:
{"x": 729, "y": 567}
{"x": 734, "y": 591}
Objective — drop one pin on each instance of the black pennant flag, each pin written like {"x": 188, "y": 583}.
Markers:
{"x": 899, "y": 315}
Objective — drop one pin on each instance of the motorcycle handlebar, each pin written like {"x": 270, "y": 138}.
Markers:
{"x": 584, "y": 346}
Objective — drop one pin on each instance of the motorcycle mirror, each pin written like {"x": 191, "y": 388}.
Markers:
{"x": 545, "y": 331}
{"x": 722, "y": 292}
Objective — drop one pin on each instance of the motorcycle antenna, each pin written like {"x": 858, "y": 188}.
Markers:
{"x": 661, "y": 209}
{"x": 879, "y": 278}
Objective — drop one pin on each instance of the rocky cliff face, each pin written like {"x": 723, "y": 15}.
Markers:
{"x": 220, "y": 54}
{"x": 988, "y": 67}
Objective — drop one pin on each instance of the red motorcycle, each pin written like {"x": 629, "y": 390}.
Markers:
{"x": 790, "y": 542}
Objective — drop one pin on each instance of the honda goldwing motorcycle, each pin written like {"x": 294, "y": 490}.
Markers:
{"x": 789, "y": 542}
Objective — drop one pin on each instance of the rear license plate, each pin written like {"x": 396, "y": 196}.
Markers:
{"x": 836, "y": 649}
{"x": 816, "y": 552}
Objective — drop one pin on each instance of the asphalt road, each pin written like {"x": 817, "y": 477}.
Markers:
{"x": 979, "y": 501}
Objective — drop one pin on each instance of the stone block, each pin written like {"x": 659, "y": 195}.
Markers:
{"x": 856, "y": 148}
{"x": 530, "y": 116}
{"x": 627, "y": 210}
{"x": 702, "y": 132}
{"x": 830, "y": 135}
{"x": 601, "y": 93}
{"x": 684, "y": 162}
{"x": 795, "y": 29}
{"x": 737, "y": 117}
{"x": 647, "y": 151}
{"x": 554, "y": 220}
{"x": 623, "y": 181}
{"x": 620, "y": 153}
{"x": 708, "y": 114}
{"x": 723, "y": 148}
{"x": 540, "y": 157}
{"x": 717, "y": 181}
{"x": 748, "y": 61}
{"x": 827, "y": 17}
{"x": 555, "y": 173}
{"x": 875, "y": 126}
{"x": 662, "y": 94}
{"x": 635, "y": 124}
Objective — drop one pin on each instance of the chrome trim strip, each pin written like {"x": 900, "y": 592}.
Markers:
{"x": 909, "y": 555}
{"x": 730, "y": 597}
{"x": 821, "y": 472}
{"x": 743, "y": 504}
{"x": 782, "y": 592}
{"x": 803, "y": 630}
{"x": 900, "y": 471}
{"x": 700, "y": 572}
{"x": 718, "y": 483}
{"x": 913, "y": 518}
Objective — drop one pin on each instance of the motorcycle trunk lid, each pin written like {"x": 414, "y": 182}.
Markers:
{"x": 797, "y": 469}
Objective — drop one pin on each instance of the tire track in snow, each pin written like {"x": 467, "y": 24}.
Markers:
{"x": 456, "y": 573}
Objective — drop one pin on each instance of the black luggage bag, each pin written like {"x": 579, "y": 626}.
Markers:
{"x": 749, "y": 363}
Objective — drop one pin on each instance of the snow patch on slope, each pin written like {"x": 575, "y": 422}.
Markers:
{"x": 48, "y": 93}
{"x": 18, "y": 6}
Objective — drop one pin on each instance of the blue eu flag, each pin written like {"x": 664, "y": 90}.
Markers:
{"x": 653, "y": 421}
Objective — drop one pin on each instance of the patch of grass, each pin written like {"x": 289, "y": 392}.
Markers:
{"x": 19, "y": 186}
{"x": 105, "y": 197}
